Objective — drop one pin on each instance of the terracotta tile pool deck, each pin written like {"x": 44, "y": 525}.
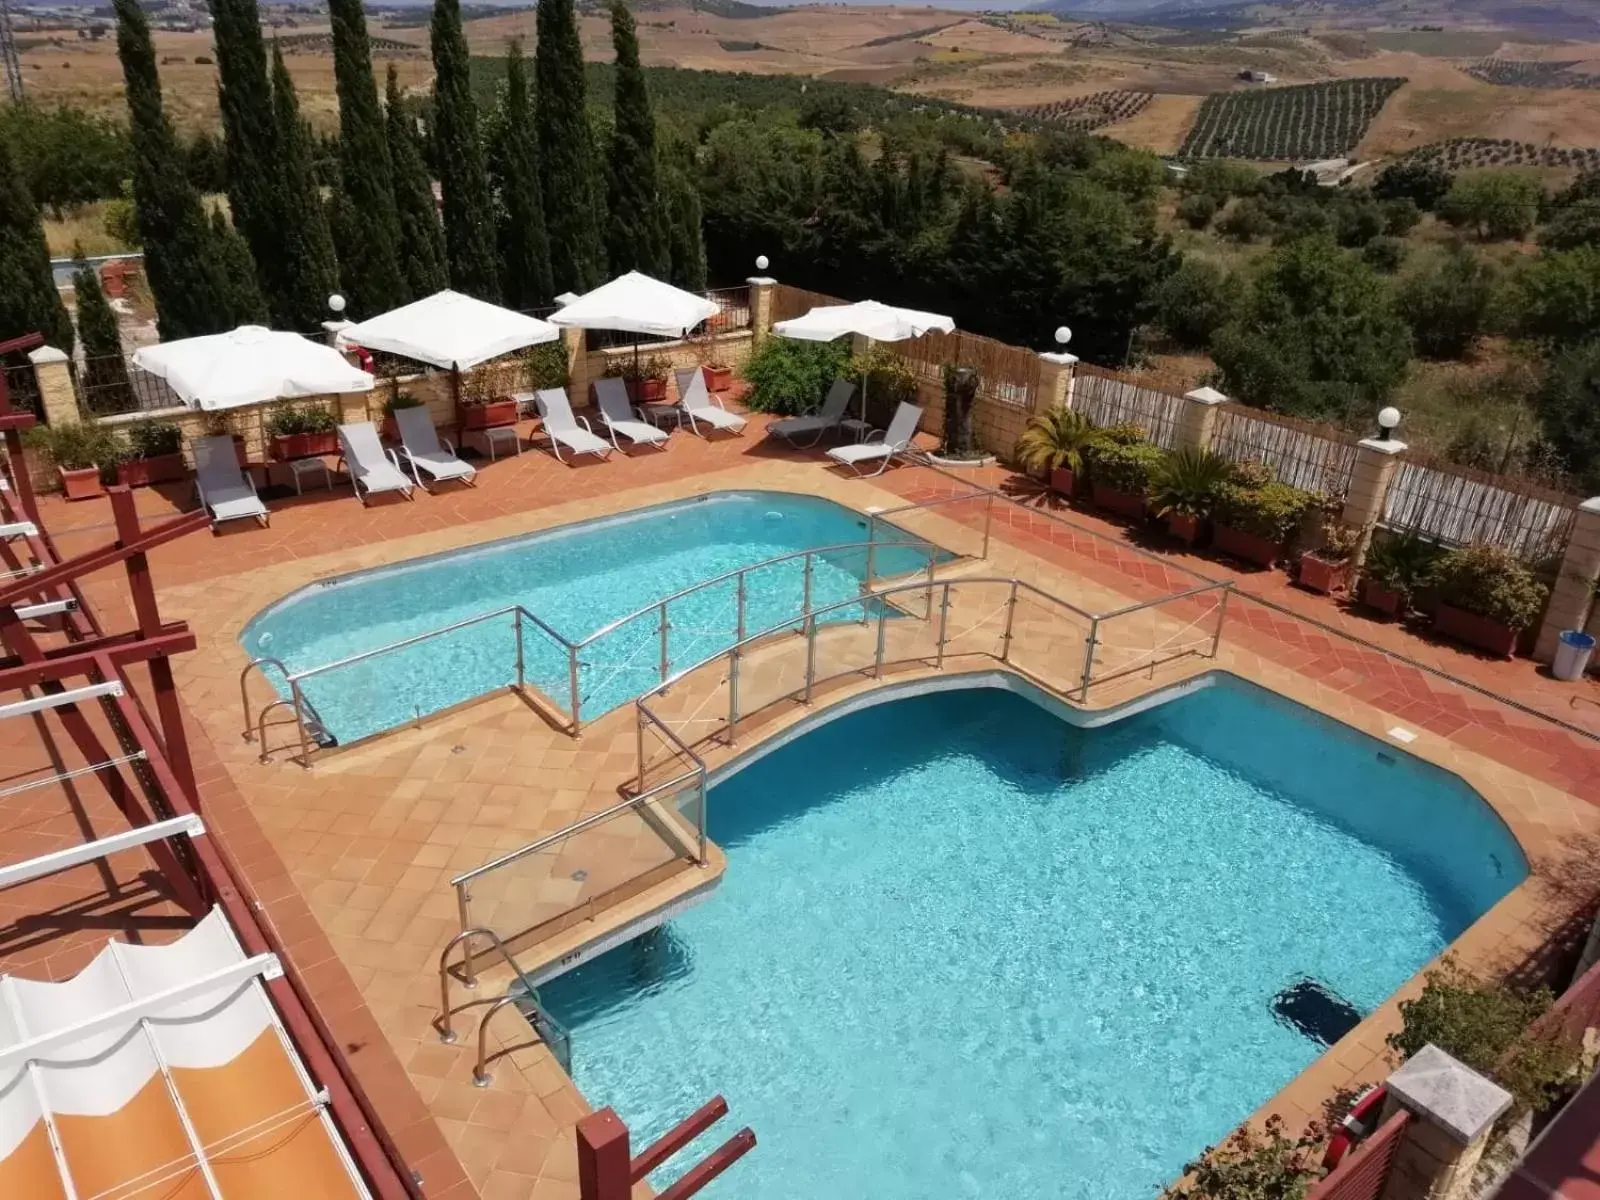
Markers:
{"x": 351, "y": 859}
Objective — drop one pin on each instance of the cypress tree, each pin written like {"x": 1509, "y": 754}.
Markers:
{"x": 188, "y": 286}
{"x": 241, "y": 296}
{"x": 373, "y": 280}
{"x": 256, "y": 187}
{"x": 686, "y": 246}
{"x": 29, "y": 301}
{"x": 105, "y": 372}
{"x": 524, "y": 247}
{"x": 469, "y": 228}
{"x": 308, "y": 272}
{"x": 421, "y": 240}
{"x": 568, "y": 178}
{"x": 636, "y": 224}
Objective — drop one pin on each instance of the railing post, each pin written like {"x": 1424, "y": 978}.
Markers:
{"x": 572, "y": 689}
{"x": 639, "y": 719}
{"x": 1011, "y": 616}
{"x": 927, "y": 605}
{"x": 739, "y": 626}
{"x": 811, "y": 654}
{"x": 705, "y": 797}
{"x": 1222, "y": 612}
{"x": 944, "y": 624}
{"x": 877, "y": 663}
{"x": 805, "y": 601}
{"x": 605, "y": 1163}
{"x": 516, "y": 620}
{"x": 1088, "y": 656}
{"x": 469, "y": 973}
{"x": 665, "y": 665}
{"x": 733, "y": 693}
{"x": 988, "y": 518}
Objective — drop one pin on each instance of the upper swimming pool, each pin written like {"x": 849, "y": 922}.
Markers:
{"x": 965, "y": 948}
{"x": 577, "y": 579}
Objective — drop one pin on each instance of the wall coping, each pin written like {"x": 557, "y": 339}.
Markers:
{"x": 1205, "y": 395}
{"x": 1382, "y": 445}
{"x": 1450, "y": 1094}
{"x": 761, "y": 281}
{"x": 1591, "y": 505}
{"x": 46, "y": 354}
{"x": 1059, "y": 359}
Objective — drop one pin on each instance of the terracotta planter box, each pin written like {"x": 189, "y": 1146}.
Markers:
{"x": 1323, "y": 575}
{"x": 649, "y": 391}
{"x": 489, "y": 416}
{"x": 1117, "y": 502}
{"x": 718, "y": 379}
{"x": 1183, "y": 527}
{"x": 1381, "y": 598}
{"x": 142, "y": 472}
{"x": 1239, "y": 544}
{"x": 1063, "y": 480}
{"x": 1483, "y": 632}
{"x": 81, "y": 484}
{"x": 304, "y": 445}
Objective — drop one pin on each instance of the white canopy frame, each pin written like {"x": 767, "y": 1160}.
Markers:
{"x": 636, "y": 303}
{"x": 449, "y": 330}
{"x": 249, "y": 365}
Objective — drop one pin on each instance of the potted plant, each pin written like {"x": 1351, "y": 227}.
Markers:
{"x": 646, "y": 378}
{"x": 1183, "y": 489}
{"x": 1256, "y": 515}
{"x": 391, "y": 430}
{"x": 217, "y": 425}
{"x": 150, "y": 452}
{"x": 302, "y": 431}
{"x": 488, "y": 413}
{"x": 1326, "y": 568}
{"x": 1120, "y": 464}
{"x": 719, "y": 376}
{"x": 1053, "y": 445}
{"x": 1486, "y": 598}
{"x": 1394, "y": 569}
{"x": 79, "y": 451}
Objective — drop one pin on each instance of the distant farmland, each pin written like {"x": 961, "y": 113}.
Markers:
{"x": 1310, "y": 121}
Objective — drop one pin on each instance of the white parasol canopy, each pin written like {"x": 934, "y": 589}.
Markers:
{"x": 450, "y": 330}
{"x": 635, "y": 303}
{"x": 880, "y": 322}
{"x": 249, "y": 365}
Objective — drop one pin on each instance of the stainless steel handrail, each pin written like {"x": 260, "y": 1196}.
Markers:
{"x": 988, "y": 495}
{"x": 427, "y": 636}
{"x": 447, "y": 1033}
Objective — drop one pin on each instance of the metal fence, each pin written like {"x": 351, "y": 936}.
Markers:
{"x": 733, "y": 309}
{"x": 111, "y": 385}
{"x": 1303, "y": 454}
{"x": 1461, "y": 507}
{"x": 1108, "y": 400}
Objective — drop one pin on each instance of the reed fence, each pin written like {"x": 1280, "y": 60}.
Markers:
{"x": 1107, "y": 399}
{"x": 1303, "y": 454}
{"x": 1459, "y": 506}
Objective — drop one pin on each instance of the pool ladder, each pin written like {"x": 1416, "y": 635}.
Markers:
{"x": 309, "y": 728}
{"x": 520, "y": 993}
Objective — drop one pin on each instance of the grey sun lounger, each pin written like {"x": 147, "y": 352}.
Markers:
{"x": 699, "y": 406}
{"x": 223, "y": 486}
{"x": 565, "y": 429}
{"x": 618, "y": 416}
{"x": 421, "y": 447}
{"x": 372, "y": 468}
{"x": 896, "y": 440}
{"x": 828, "y": 418}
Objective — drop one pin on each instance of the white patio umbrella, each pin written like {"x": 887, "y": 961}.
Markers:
{"x": 868, "y": 318}
{"x": 249, "y": 365}
{"x": 449, "y": 330}
{"x": 635, "y": 303}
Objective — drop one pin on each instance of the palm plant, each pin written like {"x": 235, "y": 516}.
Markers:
{"x": 1056, "y": 441}
{"x": 1187, "y": 482}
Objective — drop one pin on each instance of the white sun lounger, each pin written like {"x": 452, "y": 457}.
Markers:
{"x": 825, "y": 420}
{"x": 618, "y": 415}
{"x": 565, "y": 429}
{"x": 223, "y": 486}
{"x": 420, "y": 445}
{"x": 372, "y": 468}
{"x": 698, "y": 405}
{"x": 896, "y": 440}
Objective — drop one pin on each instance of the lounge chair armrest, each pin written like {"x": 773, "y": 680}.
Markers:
{"x": 584, "y": 421}
{"x": 395, "y": 459}
{"x": 876, "y": 433}
{"x": 449, "y": 447}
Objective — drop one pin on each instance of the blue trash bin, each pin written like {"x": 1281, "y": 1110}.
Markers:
{"x": 1572, "y": 655}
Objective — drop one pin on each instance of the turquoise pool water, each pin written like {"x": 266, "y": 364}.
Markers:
{"x": 577, "y": 579}
{"x": 966, "y": 949}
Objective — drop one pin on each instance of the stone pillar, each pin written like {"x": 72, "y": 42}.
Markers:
{"x": 576, "y": 343}
{"x": 1453, "y": 1110}
{"x": 58, "y": 398}
{"x": 1572, "y": 597}
{"x": 1198, "y": 417}
{"x": 332, "y": 329}
{"x": 762, "y": 293}
{"x": 1376, "y": 460}
{"x": 1055, "y": 381}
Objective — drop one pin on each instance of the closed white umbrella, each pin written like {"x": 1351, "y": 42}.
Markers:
{"x": 249, "y": 365}
{"x": 450, "y": 330}
{"x": 869, "y": 319}
{"x": 635, "y": 303}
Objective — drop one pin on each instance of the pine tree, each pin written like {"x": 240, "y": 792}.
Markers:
{"x": 241, "y": 296}
{"x": 568, "y": 176}
{"x": 524, "y": 247}
{"x": 29, "y": 302}
{"x": 308, "y": 273}
{"x": 636, "y": 226}
{"x": 421, "y": 240}
{"x": 373, "y": 280}
{"x": 686, "y": 247}
{"x": 469, "y": 229}
{"x": 189, "y": 288}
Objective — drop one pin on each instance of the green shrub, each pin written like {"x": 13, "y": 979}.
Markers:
{"x": 890, "y": 382}
{"x": 1492, "y": 583}
{"x": 545, "y": 365}
{"x": 1187, "y": 482}
{"x": 153, "y": 439}
{"x": 401, "y": 400}
{"x": 1125, "y": 467}
{"x": 301, "y": 418}
{"x": 1271, "y": 510}
{"x": 788, "y": 377}
{"x": 74, "y": 446}
{"x": 1401, "y": 564}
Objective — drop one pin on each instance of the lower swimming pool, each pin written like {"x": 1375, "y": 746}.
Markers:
{"x": 577, "y": 579}
{"x": 964, "y": 948}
